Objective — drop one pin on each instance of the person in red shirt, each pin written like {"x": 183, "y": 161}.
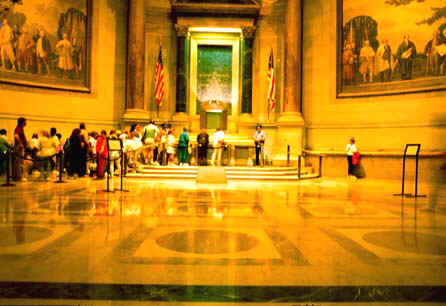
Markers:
{"x": 101, "y": 154}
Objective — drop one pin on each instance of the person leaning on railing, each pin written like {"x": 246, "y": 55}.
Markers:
{"x": 47, "y": 149}
{"x": 5, "y": 145}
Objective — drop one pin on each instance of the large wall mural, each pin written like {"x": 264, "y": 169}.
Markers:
{"x": 391, "y": 46}
{"x": 46, "y": 43}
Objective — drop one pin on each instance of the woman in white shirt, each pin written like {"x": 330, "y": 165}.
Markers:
{"x": 351, "y": 149}
{"x": 218, "y": 141}
{"x": 47, "y": 148}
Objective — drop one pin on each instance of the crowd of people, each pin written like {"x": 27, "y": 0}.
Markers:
{"x": 85, "y": 153}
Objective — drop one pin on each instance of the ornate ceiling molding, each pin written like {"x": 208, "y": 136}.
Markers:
{"x": 214, "y": 8}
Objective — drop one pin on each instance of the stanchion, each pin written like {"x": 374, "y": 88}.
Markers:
{"x": 320, "y": 165}
{"x": 299, "y": 164}
{"x": 8, "y": 169}
{"x": 108, "y": 165}
{"x": 414, "y": 151}
{"x": 288, "y": 156}
{"x": 60, "y": 155}
{"x": 122, "y": 173}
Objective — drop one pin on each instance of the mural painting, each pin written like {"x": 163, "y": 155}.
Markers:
{"x": 45, "y": 43}
{"x": 391, "y": 46}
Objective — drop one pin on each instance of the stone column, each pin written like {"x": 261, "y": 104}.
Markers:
{"x": 248, "y": 42}
{"x": 181, "y": 96}
{"x": 290, "y": 123}
{"x": 181, "y": 118}
{"x": 293, "y": 46}
{"x": 135, "y": 109}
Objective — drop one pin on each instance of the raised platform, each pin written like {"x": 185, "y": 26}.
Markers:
{"x": 232, "y": 173}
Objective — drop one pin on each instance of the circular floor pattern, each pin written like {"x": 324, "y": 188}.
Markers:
{"x": 19, "y": 234}
{"x": 207, "y": 242}
{"x": 408, "y": 242}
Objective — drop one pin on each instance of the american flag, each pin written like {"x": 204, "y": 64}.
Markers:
{"x": 272, "y": 84}
{"x": 159, "y": 80}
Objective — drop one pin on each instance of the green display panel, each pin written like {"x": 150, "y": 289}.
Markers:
{"x": 213, "y": 120}
{"x": 214, "y": 74}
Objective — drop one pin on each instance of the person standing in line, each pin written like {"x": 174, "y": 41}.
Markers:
{"x": 351, "y": 149}
{"x": 218, "y": 143}
{"x": 20, "y": 144}
{"x": 150, "y": 133}
{"x": 259, "y": 141}
{"x": 101, "y": 154}
{"x": 55, "y": 140}
{"x": 170, "y": 147}
{"x": 162, "y": 146}
{"x": 183, "y": 143}
{"x": 85, "y": 149}
{"x": 203, "y": 143}
{"x": 47, "y": 148}
{"x": 4, "y": 147}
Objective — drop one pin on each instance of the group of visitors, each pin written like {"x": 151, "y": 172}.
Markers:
{"x": 86, "y": 153}
{"x": 158, "y": 145}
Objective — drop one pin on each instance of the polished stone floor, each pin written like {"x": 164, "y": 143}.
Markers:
{"x": 310, "y": 242}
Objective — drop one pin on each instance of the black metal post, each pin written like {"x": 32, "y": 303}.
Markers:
{"x": 288, "y": 156}
{"x": 299, "y": 164}
{"x": 320, "y": 165}
{"x": 108, "y": 171}
{"x": 404, "y": 175}
{"x": 60, "y": 155}
{"x": 8, "y": 169}
{"x": 416, "y": 175}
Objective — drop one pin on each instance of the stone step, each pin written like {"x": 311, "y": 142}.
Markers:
{"x": 232, "y": 173}
{"x": 229, "y": 177}
{"x": 195, "y": 168}
{"x": 185, "y": 171}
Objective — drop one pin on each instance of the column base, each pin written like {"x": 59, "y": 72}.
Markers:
{"x": 179, "y": 121}
{"x": 293, "y": 118}
{"x": 291, "y": 129}
{"x": 136, "y": 116}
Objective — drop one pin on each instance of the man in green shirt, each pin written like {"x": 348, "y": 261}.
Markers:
{"x": 183, "y": 143}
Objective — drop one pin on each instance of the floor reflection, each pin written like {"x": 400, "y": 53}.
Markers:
{"x": 327, "y": 232}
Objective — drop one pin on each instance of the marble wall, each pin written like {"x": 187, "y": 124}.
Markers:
{"x": 377, "y": 123}
{"x": 103, "y": 107}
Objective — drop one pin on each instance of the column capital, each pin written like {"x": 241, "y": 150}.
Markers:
{"x": 249, "y": 32}
{"x": 181, "y": 30}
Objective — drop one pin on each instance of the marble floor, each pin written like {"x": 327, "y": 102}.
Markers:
{"x": 310, "y": 242}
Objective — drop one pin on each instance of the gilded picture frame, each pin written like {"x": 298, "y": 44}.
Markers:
{"x": 50, "y": 50}
{"x": 389, "y": 47}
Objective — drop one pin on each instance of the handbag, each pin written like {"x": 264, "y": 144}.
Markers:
{"x": 355, "y": 158}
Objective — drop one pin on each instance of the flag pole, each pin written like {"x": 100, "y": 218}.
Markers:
{"x": 268, "y": 110}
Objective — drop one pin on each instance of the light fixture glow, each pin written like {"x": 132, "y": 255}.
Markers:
{"x": 216, "y": 30}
